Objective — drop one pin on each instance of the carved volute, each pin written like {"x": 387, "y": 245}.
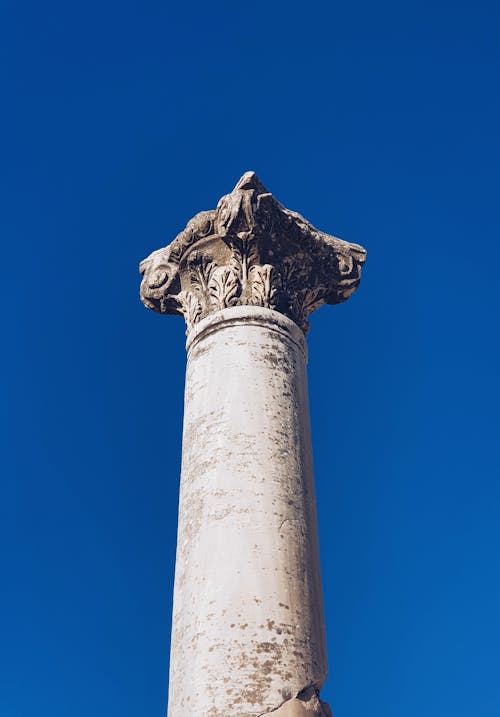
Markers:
{"x": 250, "y": 251}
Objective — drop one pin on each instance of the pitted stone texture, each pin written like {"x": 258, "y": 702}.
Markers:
{"x": 248, "y": 625}
{"x": 250, "y": 251}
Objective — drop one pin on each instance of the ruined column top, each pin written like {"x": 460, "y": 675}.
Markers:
{"x": 250, "y": 251}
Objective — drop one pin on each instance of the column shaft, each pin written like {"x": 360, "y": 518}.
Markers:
{"x": 248, "y": 627}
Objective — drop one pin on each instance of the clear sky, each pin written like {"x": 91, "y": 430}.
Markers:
{"x": 379, "y": 122}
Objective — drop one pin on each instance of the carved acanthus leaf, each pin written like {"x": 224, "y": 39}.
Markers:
{"x": 190, "y": 307}
{"x": 223, "y": 287}
{"x": 201, "y": 269}
{"x": 250, "y": 250}
{"x": 264, "y": 284}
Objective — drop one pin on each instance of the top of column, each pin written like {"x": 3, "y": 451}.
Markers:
{"x": 250, "y": 250}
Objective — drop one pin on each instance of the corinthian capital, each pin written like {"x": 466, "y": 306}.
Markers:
{"x": 250, "y": 250}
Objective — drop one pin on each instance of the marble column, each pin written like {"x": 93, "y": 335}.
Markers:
{"x": 248, "y": 634}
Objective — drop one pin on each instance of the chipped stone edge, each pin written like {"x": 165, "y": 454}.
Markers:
{"x": 297, "y": 706}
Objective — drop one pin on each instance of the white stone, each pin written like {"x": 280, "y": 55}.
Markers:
{"x": 248, "y": 633}
{"x": 248, "y": 626}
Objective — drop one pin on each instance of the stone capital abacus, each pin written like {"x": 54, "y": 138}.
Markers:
{"x": 250, "y": 251}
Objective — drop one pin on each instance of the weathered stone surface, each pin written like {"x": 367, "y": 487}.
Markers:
{"x": 248, "y": 626}
{"x": 250, "y": 251}
{"x": 306, "y": 704}
{"x": 248, "y": 636}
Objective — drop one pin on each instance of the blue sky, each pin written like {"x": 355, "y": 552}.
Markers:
{"x": 379, "y": 123}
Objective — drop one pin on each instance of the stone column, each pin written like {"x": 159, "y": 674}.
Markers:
{"x": 248, "y": 636}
